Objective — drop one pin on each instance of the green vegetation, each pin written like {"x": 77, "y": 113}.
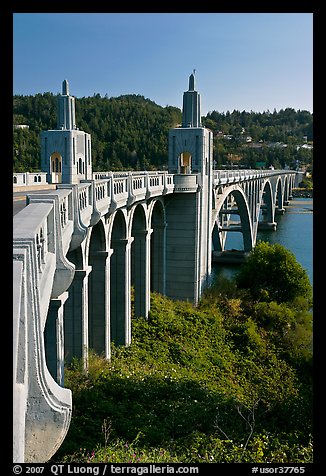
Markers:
{"x": 306, "y": 183}
{"x": 131, "y": 132}
{"x": 272, "y": 273}
{"x": 227, "y": 381}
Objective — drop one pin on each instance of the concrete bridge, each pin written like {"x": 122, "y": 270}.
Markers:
{"x": 79, "y": 250}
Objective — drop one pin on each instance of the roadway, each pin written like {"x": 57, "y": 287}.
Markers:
{"x": 19, "y": 199}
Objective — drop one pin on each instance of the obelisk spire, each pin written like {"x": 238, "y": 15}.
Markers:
{"x": 66, "y": 109}
{"x": 192, "y": 81}
{"x": 191, "y": 114}
{"x": 65, "y": 88}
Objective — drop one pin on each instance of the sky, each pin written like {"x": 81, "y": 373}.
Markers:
{"x": 243, "y": 61}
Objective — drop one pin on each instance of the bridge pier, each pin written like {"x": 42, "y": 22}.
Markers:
{"x": 140, "y": 259}
{"x": 158, "y": 258}
{"x": 188, "y": 238}
{"x": 181, "y": 247}
{"x": 265, "y": 225}
{"x": 120, "y": 292}
{"x": 229, "y": 256}
{"x": 98, "y": 303}
{"x": 54, "y": 338}
{"x": 76, "y": 317}
{"x": 280, "y": 211}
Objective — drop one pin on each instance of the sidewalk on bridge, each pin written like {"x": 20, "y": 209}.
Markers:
{"x": 33, "y": 188}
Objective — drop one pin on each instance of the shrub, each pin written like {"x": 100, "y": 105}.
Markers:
{"x": 272, "y": 273}
{"x": 194, "y": 386}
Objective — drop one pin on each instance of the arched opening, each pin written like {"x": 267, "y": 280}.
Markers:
{"x": 217, "y": 238}
{"x": 98, "y": 330}
{"x": 279, "y": 198}
{"x": 76, "y": 311}
{"x": 56, "y": 167}
{"x": 80, "y": 165}
{"x": 157, "y": 250}
{"x": 185, "y": 162}
{"x": 286, "y": 196}
{"x": 120, "y": 282}
{"x": 140, "y": 263}
{"x": 267, "y": 209}
{"x": 233, "y": 229}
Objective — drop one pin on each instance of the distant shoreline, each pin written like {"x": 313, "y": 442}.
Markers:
{"x": 302, "y": 193}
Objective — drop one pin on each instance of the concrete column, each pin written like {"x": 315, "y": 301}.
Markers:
{"x": 216, "y": 239}
{"x": 158, "y": 258}
{"x": 251, "y": 201}
{"x": 141, "y": 272}
{"x": 76, "y": 317}
{"x": 120, "y": 279}
{"x": 266, "y": 225}
{"x": 99, "y": 303}
{"x": 182, "y": 242}
{"x": 280, "y": 211}
{"x": 54, "y": 338}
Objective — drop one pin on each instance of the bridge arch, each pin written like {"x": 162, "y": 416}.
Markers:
{"x": 279, "y": 189}
{"x": 157, "y": 221}
{"x": 266, "y": 204}
{"x": 76, "y": 309}
{"x": 98, "y": 312}
{"x": 119, "y": 278}
{"x": 287, "y": 188}
{"x": 140, "y": 259}
{"x": 232, "y": 202}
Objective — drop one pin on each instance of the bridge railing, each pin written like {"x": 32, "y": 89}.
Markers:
{"x": 231, "y": 176}
{"x": 85, "y": 202}
{"x": 33, "y": 229}
{"x": 29, "y": 178}
{"x": 65, "y": 211}
{"x": 42, "y": 404}
{"x": 117, "y": 189}
{"x": 102, "y": 195}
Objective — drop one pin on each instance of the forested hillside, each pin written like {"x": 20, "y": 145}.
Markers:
{"x": 254, "y": 139}
{"x": 131, "y": 132}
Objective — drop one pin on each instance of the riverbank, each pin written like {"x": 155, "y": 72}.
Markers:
{"x": 302, "y": 193}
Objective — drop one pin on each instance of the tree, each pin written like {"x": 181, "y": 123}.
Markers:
{"x": 289, "y": 328}
{"x": 272, "y": 273}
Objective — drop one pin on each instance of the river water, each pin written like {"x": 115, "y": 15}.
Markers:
{"x": 294, "y": 231}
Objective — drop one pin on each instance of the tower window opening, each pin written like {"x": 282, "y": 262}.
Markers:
{"x": 185, "y": 162}
{"x": 80, "y": 166}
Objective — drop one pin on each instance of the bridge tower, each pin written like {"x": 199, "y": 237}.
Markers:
{"x": 66, "y": 151}
{"x": 188, "y": 210}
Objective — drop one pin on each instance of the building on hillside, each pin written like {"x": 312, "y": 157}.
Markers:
{"x": 21, "y": 126}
